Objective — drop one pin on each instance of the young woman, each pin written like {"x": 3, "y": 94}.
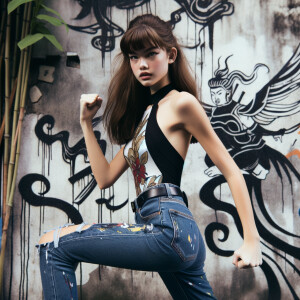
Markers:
{"x": 153, "y": 109}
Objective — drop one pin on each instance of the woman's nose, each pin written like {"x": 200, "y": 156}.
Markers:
{"x": 143, "y": 63}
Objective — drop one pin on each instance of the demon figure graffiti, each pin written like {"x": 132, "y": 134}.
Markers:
{"x": 241, "y": 129}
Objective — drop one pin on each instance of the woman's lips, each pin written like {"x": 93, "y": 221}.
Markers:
{"x": 145, "y": 76}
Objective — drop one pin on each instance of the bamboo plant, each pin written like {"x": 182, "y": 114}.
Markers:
{"x": 35, "y": 18}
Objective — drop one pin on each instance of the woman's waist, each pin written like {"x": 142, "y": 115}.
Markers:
{"x": 165, "y": 191}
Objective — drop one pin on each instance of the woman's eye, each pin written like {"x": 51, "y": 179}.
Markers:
{"x": 152, "y": 53}
{"x": 131, "y": 57}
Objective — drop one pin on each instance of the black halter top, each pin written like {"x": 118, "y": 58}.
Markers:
{"x": 151, "y": 157}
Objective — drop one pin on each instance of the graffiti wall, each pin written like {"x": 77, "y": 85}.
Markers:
{"x": 246, "y": 58}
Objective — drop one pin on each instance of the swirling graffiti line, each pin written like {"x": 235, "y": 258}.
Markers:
{"x": 25, "y": 188}
{"x": 202, "y": 12}
{"x": 208, "y": 197}
{"x": 69, "y": 155}
{"x": 241, "y": 128}
{"x": 109, "y": 31}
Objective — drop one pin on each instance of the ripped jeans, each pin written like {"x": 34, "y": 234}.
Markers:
{"x": 165, "y": 239}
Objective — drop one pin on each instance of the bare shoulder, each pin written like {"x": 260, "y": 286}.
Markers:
{"x": 185, "y": 103}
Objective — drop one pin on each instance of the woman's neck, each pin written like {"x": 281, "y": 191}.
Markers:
{"x": 159, "y": 85}
{"x": 161, "y": 93}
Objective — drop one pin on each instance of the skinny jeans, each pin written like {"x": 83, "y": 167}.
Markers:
{"x": 165, "y": 239}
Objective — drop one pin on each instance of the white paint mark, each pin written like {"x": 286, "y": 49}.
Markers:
{"x": 35, "y": 94}
{"x": 46, "y": 73}
{"x": 125, "y": 225}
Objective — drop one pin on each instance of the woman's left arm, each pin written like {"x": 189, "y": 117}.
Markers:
{"x": 196, "y": 122}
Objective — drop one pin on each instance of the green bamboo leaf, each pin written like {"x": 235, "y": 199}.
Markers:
{"x": 48, "y": 9}
{"x": 12, "y": 5}
{"x": 29, "y": 40}
{"x": 52, "y": 20}
{"x": 67, "y": 27}
{"x": 40, "y": 27}
{"x": 54, "y": 41}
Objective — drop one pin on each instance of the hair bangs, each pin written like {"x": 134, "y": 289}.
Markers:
{"x": 140, "y": 37}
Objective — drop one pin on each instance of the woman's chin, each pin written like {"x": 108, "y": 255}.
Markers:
{"x": 146, "y": 83}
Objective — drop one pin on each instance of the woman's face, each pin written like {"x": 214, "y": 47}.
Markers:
{"x": 150, "y": 67}
{"x": 219, "y": 96}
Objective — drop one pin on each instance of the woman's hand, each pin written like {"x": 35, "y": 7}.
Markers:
{"x": 89, "y": 105}
{"x": 249, "y": 255}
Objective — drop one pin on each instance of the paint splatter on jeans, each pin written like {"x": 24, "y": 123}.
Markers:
{"x": 165, "y": 239}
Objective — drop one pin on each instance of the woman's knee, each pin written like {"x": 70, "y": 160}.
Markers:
{"x": 46, "y": 237}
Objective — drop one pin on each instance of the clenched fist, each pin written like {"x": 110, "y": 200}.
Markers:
{"x": 89, "y": 105}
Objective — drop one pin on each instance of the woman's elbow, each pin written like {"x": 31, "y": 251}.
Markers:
{"x": 103, "y": 184}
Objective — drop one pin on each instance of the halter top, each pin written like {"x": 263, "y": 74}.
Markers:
{"x": 151, "y": 157}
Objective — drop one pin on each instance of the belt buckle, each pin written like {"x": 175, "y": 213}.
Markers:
{"x": 133, "y": 206}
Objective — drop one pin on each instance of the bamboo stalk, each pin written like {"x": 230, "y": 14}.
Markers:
{"x": 3, "y": 18}
{"x": 3, "y": 242}
{"x": 14, "y": 68}
{"x": 21, "y": 73}
{"x": 17, "y": 147}
{"x": 25, "y": 51}
{"x": 1, "y": 60}
{"x": 15, "y": 150}
{"x": 12, "y": 95}
{"x": 21, "y": 62}
{"x": 6, "y": 128}
{"x": 18, "y": 132}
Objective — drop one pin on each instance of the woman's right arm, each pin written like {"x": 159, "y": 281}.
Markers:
{"x": 105, "y": 173}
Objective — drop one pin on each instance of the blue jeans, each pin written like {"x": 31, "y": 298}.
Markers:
{"x": 165, "y": 239}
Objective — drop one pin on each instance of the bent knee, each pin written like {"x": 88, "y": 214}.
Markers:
{"x": 48, "y": 236}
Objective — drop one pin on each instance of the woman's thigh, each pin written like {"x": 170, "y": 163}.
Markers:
{"x": 164, "y": 238}
{"x": 131, "y": 246}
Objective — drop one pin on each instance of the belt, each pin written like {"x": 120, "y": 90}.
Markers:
{"x": 157, "y": 192}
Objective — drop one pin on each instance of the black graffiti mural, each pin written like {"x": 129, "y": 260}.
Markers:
{"x": 69, "y": 155}
{"x": 203, "y": 12}
{"x": 241, "y": 129}
{"x": 109, "y": 31}
{"x": 25, "y": 188}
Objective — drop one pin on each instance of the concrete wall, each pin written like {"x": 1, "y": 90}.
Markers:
{"x": 251, "y": 32}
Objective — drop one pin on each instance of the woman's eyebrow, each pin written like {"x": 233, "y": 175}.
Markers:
{"x": 143, "y": 50}
{"x": 151, "y": 48}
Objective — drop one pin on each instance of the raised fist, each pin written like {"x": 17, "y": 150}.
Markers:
{"x": 89, "y": 105}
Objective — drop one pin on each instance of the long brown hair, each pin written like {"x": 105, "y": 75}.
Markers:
{"x": 127, "y": 98}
